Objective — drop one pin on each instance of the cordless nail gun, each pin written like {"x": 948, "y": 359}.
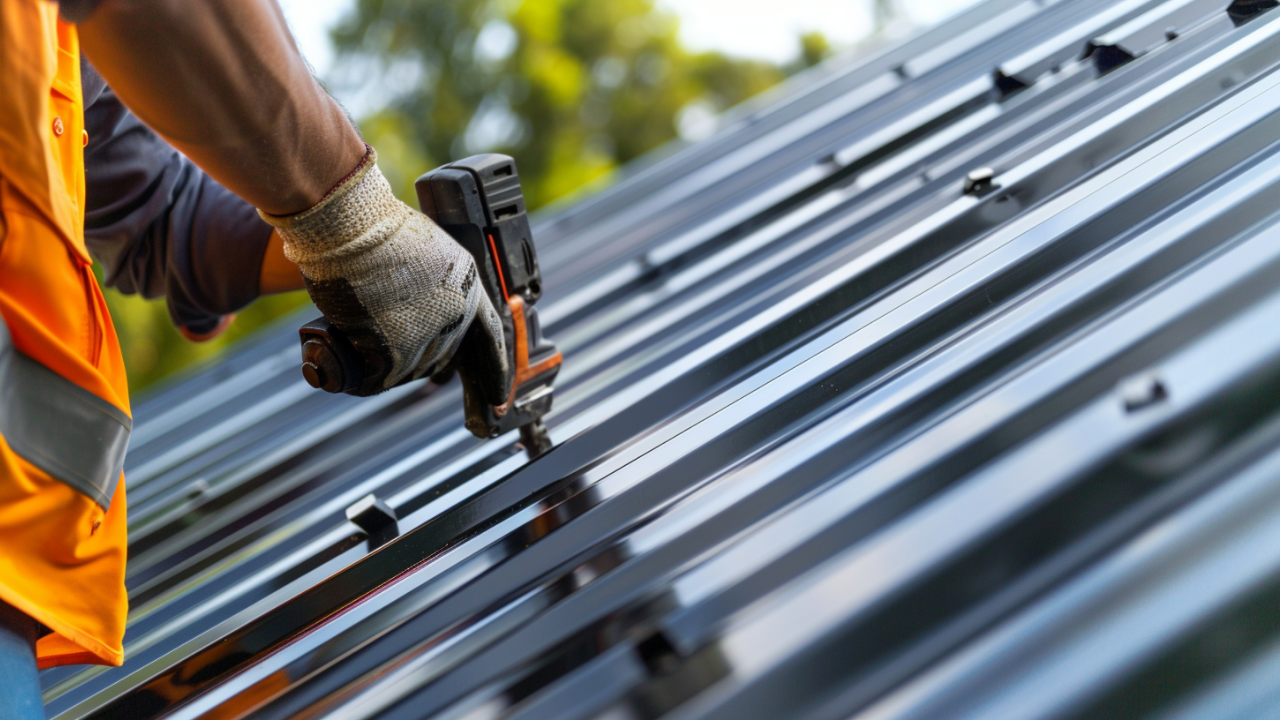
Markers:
{"x": 478, "y": 201}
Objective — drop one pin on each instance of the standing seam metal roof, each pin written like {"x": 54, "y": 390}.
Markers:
{"x": 847, "y": 428}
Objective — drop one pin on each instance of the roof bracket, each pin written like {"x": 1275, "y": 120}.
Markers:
{"x": 979, "y": 182}
{"x": 658, "y": 654}
{"x": 1007, "y": 85}
{"x": 1142, "y": 391}
{"x": 1108, "y": 57}
{"x": 1242, "y": 11}
{"x": 376, "y": 519}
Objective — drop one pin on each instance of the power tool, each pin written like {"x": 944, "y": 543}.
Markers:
{"x": 479, "y": 202}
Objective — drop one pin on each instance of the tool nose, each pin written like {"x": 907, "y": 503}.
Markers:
{"x": 320, "y": 366}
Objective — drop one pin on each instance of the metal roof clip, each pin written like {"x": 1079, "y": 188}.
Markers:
{"x": 980, "y": 181}
{"x": 1142, "y": 391}
{"x": 1108, "y": 56}
{"x": 1242, "y": 11}
{"x": 376, "y": 519}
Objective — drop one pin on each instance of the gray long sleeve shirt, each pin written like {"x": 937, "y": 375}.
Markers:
{"x": 158, "y": 225}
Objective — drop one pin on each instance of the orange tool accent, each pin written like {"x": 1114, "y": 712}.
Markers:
{"x": 524, "y": 372}
{"x": 493, "y": 248}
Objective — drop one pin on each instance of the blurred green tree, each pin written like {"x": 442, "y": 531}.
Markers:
{"x": 572, "y": 89}
{"x": 814, "y": 48}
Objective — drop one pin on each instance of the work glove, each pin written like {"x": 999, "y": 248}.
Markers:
{"x": 395, "y": 283}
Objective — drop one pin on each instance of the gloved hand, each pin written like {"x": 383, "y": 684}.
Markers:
{"x": 398, "y": 286}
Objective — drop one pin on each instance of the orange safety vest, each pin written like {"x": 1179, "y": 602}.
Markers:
{"x": 64, "y": 407}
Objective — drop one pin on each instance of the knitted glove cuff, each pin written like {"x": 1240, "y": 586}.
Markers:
{"x": 359, "y": 213}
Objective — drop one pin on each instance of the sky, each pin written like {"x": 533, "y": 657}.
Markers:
{"x": 769, "y": 28}
{"x": 739, "y": 27}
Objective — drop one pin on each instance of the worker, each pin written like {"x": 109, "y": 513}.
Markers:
{"x": 192, "y": 154}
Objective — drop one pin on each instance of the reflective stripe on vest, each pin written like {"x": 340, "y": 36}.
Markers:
{"x": 58, "y": 426}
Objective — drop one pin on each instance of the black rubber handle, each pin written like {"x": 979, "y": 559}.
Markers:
{"x": 329, "y": 361}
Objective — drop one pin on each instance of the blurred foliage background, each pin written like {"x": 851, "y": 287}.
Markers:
{"x": 572, "y": 89}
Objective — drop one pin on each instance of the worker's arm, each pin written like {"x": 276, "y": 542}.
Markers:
{"x": 222, "y": 81}
{"x": 160, "y": 227}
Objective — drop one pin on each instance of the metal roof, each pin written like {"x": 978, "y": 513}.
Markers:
{"x": 942, "y": 384}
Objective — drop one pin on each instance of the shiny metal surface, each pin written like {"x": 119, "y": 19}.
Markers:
{"x": 942, "y": 383}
